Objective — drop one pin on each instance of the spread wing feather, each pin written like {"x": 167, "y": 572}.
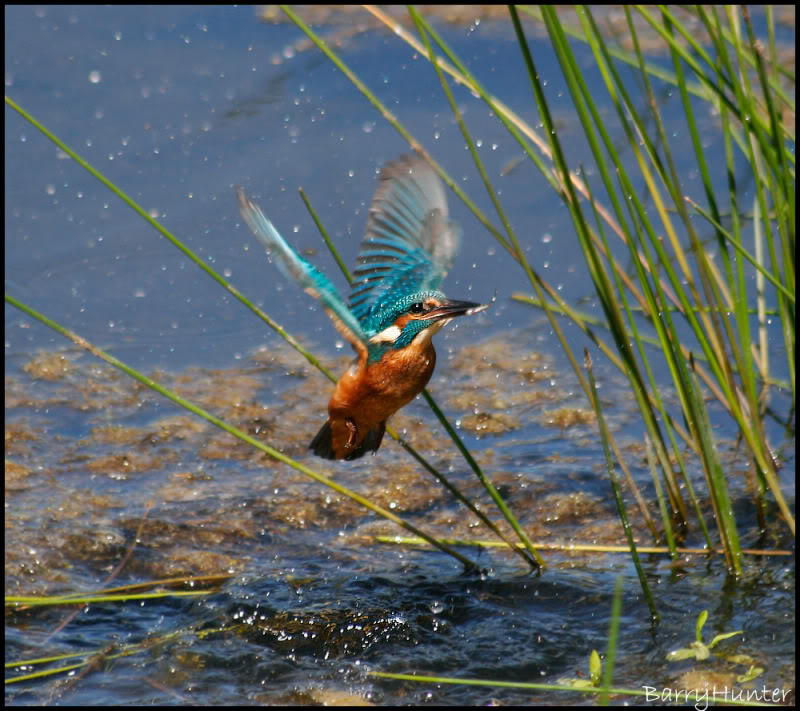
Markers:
{"x": 294, "y": 267}
{"x": 410, "y": 243}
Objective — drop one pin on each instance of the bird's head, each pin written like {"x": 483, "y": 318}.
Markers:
{"x": 414, "y": 318}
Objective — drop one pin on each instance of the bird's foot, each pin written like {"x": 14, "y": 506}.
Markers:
{"x": 353, "y": 428}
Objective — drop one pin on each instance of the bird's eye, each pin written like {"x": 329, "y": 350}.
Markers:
{"x": 417, "y": 308}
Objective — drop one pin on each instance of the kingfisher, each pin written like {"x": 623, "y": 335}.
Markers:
{"x": 395, "y": 305}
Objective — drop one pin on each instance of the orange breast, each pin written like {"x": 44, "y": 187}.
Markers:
{"x": 370, "y": 393}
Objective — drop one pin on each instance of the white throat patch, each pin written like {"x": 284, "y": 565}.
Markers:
{"x": 388, "y": 335}
{"x": 391, "y": 334}
{"x": 425, "y": 336}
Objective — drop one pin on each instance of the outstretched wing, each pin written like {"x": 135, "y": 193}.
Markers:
{"x": 410, "y": 242}
{"x": 294, "y": 267}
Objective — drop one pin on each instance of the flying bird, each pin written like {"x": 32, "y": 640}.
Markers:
{"x": 395, "y": 306}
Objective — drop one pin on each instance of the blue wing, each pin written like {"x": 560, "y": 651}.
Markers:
{"x": 295, "y": 268}
{"x": 410, "y": 243}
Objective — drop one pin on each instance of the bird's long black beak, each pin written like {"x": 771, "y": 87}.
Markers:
{"x": 449, "y": 309}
